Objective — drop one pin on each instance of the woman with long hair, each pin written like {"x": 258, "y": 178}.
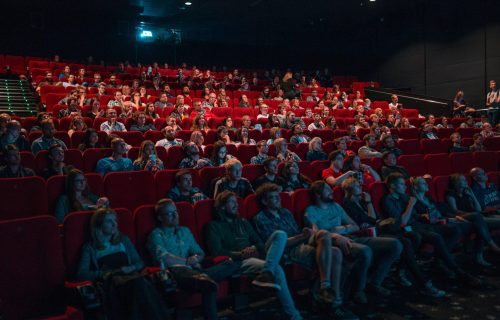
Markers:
{"x": 219, "y": 154}
{"x": 112, "y": 263}
{"x": 366, "y": 175}
{"x": 77, "y": 196}
{"x": 90, "y": 140}
{"x": 77, "y": 124}
{"x": 293, "y": 178}
{"x": 200, "y": 123}
{"x": 147, "y": 159}
{"x": 242, "y": 136}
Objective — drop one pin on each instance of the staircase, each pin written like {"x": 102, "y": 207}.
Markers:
{"x": 17, "y": 98}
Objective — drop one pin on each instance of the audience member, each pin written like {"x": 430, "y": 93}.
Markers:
{"x": 365, "y": 174}
{"x": 293, "y": 178}
{"x": 184, "y": 190}
{"x": 56, "y": 165}
{"x": 427, "y": 132}
{"x": 485, "y": 192}
{"x": 298, "y": 136}
{"x": 219, "y": 154}
{"x": 112, "y": 124}
{"x": 390, "y": 146}
{"x": 270, "y": 175}
{"x": 261, "y": 156}
{"x": 13, "y": 167}
{"x": 170, "y": 139}
{"x": 477, "y": 138}
{"x": 193, "y": 159}
{"x": 389, "y": 166}
{"x": 274, "y": 133}
{"x": 233, "y": 181}
{"x": 107, "y": 258}
{"x": 47, "y": 139}
{"x": 147, "y": 159}
{"x": 334, "y": 175}
{"x": 341, "y": 145}
{"x": 456, "y": 139}
{"x": 282, "y": 152}
{"x": 140, "y": 123}
{"x": 90, "y": 140}
{"x": 232, "y": 236}
{"x": 368, "y": 151}
{"x": 116, "y": 162}
{"x": 13, "y": 136}
{"x": 316, "y": 150}
{"x": 242, "y": 137}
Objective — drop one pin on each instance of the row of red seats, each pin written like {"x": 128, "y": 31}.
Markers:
{"x": 131, "y": 189}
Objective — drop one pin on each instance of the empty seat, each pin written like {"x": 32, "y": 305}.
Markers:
{"x": 377, "y": 191}
{"x": 438, "y": 164}
{"x": 129, "y": 189}
{"x": 175, "y": 154}
{"x": 414, "y": 164}
{"x": 246, "y": 152}
{"x": 492, "y": 144}
{"x": 408, "y": 133}
{"x": 440, "y": 186}
{"x": 316, "y": 169}
{"x": 444, "y": 132}
{"x": 252, "y": 171}
{"x": 409, "y": 146}
{"x": 429, "y": 146}
{"x": 133, "y": 138}
{"x": 32, "y": 271}
{"x": 461, "y": 162}
{"x": 468, "y": 132}
{"x": 301, "y": 199}
{"x": 25, "y": 197}
{"x": 487, "y": 160}
{"x": 208, "y": 176}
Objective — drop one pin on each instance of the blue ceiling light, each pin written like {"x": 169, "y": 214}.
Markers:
{"x": 188, "y": 3}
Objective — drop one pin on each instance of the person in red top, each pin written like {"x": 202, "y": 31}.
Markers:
{"x": 334, "y": 175}
{"x": 365, "y": 174}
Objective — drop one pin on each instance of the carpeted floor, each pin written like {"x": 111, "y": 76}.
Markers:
{"x": 461, "y": 302}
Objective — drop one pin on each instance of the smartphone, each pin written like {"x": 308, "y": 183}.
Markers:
{"x": 152, "y": 157}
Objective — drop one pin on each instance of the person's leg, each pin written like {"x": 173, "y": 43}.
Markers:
{"x": 254, "y": 265}
{"x": 336, "y": 272}
{"x": 440, "y": 248}
{"x": 324, "y": 257}
{"x": 450, "y": 233}
{"x": 275, "y": 246}
{"x": 385, "y": 252}
{"x": 409, "y": 261}
{"x": 361, "y": 256}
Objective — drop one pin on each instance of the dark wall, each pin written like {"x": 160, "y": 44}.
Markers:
{"x": 440, "y": 47}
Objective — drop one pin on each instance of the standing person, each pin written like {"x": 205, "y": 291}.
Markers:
{"x": 358, "y": 205}
{"x": 110, "y": 257}
{"x": 174, "y": 246}
{"x": 230, "y": 235}
{"x": 327, "y": 215}
{"x": 493, "y": 102}
{"x": 311, "y": 248}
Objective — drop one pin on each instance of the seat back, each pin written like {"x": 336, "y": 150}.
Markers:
{"x": 129, "y": 189}
{"x": 25, "y": 197}
{"x": 461, "y": 162}
{"x": 32, "y": 269}
{"x": 92, "y": 156}
{"x": 438, "y": 164}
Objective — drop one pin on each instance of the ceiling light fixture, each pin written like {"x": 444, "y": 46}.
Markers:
{"x": 188, "y": 3}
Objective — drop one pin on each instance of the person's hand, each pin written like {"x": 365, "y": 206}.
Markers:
{"x": 307, "y": 233}
{"x": 427, "y": 176}
{"x": 249, "y": 252}
{"x": 412, "y": 201}
{"x": 426, "y": 217}
{"x": 351, "y": 173}
{"x": 363, "y": 166}
{"x": 366, "y": 197}
{"x": 468, "y": 191}
{"x": 102, "y": 202}
{"x": 127, "y": 269}
{"x": 460, "y": 218}
{"x": 197, "y": 196}
{"x": 150, "y": 163}
{"x": 192, "y": 260}
{"x": 344, "y": 243}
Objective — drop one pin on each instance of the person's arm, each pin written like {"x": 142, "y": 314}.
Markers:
{"x": 159, "y": 253}
{"x": 373, "y": 173}
{"x": 405, "y": 216}
{"x": 337, "y": 181}
{"x": 62, "y": 208}
{"x": 348, "y": 225}
{"x": 369, "y": 205}
{"x": 85, "y": 271}
{"x": 136, "y": 262}
{"x": 214, "y": 243}
{"x": 477, "y": 205}
{"x": 452, "y": 203}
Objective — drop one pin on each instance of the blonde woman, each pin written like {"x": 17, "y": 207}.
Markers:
{"x": 77, "y": 124}
{"x": 147, "y": 159}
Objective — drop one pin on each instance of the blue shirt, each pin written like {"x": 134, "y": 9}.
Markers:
{"x": 266, "y": 223}
{"x": 107, "y": 164}
{"x": 43, "y": 143}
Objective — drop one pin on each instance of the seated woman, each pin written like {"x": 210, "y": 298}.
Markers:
{"x": 464, "y": 205}
{"x": 77, "y": 124}
{"x": 228, "y": 123}
{"x": 478, "y": 145}
{"x": 219, "y": 154}
{"x": 200, "y": 123}
{"x": 375, "y": 130}
{"x": 274, "y": 133}
{"x": 136, "y": 101}
{"x": 273, "y": 121}
{"x": 358, "y": 205}
{"x": 405, "y": 124}
{"x": 77, "y": 196}
{"x": 140, "y": 123}
{"x": 263, "y": 112}
{"x": 365, "y": 174}
{"x": 293, "y": 178}
{"x": 94, "y": 111}
{"x": 222, "y": 135}
{"x": 389, "y": 166}
{"x": 244, "y": 102}
{"x": 147, "y": 159}
{"x": 444, "y": 123}
{"x": 242, "y": 136}
{"x": 151, "y": 111}
{"x": 316, "y": 150}
{"x": 184, "y": 190}
{"x": 56, "y": 164}
{"x": 111, "y": 261}
{"x": 282, "y": 152}
{"x": 90, "y": 140}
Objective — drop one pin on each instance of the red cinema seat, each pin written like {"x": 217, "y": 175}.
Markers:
{"x": 301, "y": 150}
{"x": 94, "y": 181}
{"x": 255, "y": 134}
{"x": 461, "y": 162}
{"x": 33, "y": 282}
{"x": 145, "y": 221}
{"x": 355, "y": 145}
{"x": 25, "y": 197}
{"x": 27, "y": 159}
{"x": 438, "y": 164}
{"x": 175, "y": 154}
{"x": 133, "y": 138}
{"x": 165, "y": 180}
{"x": 240, "y": 112}
{"x": 408, "y": 133}
{"x": 208, "y": 175}
{"x": 444, "y": 132}
{"x": 377, "y": 191}
{"x": 316, "y": 169}
{"x": 153, "y": 135}
{"x": 430, "y": 146}
{"x": 410, "y": 146}
{"x": 252, "y": 171}
{"x": 414, "y": 164}
{"x": 77, "y": 138}
{"x": 410, "y": 113}
{"x": 301, "y": 199}
{"x": 468, "y": 132}
{"x": 494, "y": 177}
{"x": 441, "y": 184}
{"x": 76, "y": 231}
{"x": 492, "y": 144}
{"x": 129, "y": 189}
{"x": 326, "y": 135}
{"x": 222, "y": 112}
{"x": 56, "y": 186}
{"x": 92, "y": 156}
{"x": 487, "y": 160}
{"x": 246, "y": 152}
{"x": 203, "y": 211}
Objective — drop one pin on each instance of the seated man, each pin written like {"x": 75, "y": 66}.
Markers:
{"x": 327, "y": 215}
{"x": 193, "y": 159}
{"x": 116, "y": 162}
{"x": 262, "y": 153}
{"x": 456, "y": 139}
{"x": 230, "y": 235}
{"x": 56, "y": 165}
{"x": 334, "y": 175}
{"x": 233, "y": 181}
{"x": 170, "y": 140}
{"x": 486, "y": 193}
{"x": 163, "y": 102}
{"x": 71, "y": 111}
{"x": 184, "y": 190}
{"x": 298, "y": 248}
{"x": 174, "y": 246}
{"x": 47, "y": 139}
{"x": 298, "y": 136}
{"x": 389, "y": 145}
{"x": 140, "y": 123}
{"x": 389, "y": 165}
{"x": 112, "y": 124}
{"x": 13, "y": 136}
{"x": 13, "y": 167}
{"x": 427, "y": 132}
{"x": 271, "y": 174}
{"x": 368, "y": 150}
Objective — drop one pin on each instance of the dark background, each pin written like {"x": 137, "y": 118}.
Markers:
{"x": 428, "y": 47}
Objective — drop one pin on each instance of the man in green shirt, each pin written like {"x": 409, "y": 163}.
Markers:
{"x": 232, "y": 236}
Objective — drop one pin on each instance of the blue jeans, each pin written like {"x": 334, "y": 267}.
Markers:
{"x": 275, "y": 247}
